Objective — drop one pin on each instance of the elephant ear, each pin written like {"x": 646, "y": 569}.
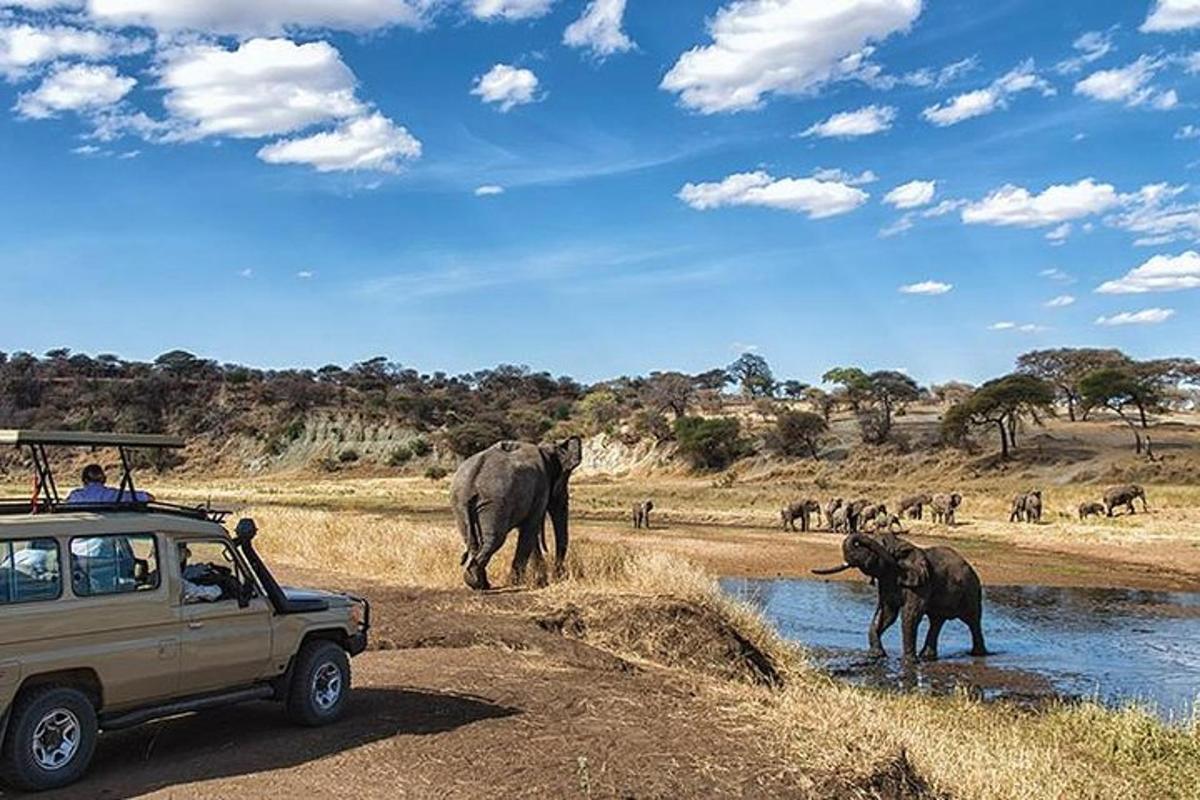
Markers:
{"x": 570, "y": 453}
{"x": 913, "y": 566}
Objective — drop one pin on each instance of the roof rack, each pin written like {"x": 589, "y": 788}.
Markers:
{"x": 45, "y": 489}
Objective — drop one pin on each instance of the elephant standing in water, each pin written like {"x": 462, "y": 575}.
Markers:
{"x": 913, "y": 583}
{"x": 513, "y": 485}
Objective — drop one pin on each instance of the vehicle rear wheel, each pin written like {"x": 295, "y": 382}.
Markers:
{"x": 320, "y": 684}
{"x": 51, "y": 739}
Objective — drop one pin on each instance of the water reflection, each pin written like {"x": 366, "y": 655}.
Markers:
{"x": 1114, "y": 645}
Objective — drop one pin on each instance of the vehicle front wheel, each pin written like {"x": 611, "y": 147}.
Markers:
{"x": 320, "y": 684}
{"x": 51, "y": 739}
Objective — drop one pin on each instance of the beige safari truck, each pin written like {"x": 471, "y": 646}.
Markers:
{"x": 117, "y": 609}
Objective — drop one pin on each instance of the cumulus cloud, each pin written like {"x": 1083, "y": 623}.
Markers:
{"x": 851, "y": 124}
{"x": 263, "y": 87}
{"x": 1129, "y": 85}
{"x": 1157, "y": 217}
{"x": 991, "y": 98}
{"x": 510, "y": 9}
{"x": 911, "y": 195}
{"x": 23, "y": 46}
{"x": 507, "y": 86}
{"x": 79, "y": 87}
{"x": 1062, "y": 301}
{"x": 816, "y": 198}
{"x": 786, "y": 47}
{"x": 1161, "y": 273}
{"x": 927, "y": 288}
{"x": 1172, "y": 15}
{"x": 250, "y": 17}
{"x": 368, "y": 143}
{"x": 599, "y": 29}
{"x": 1091, "y": 46}
{"x": 1149, "y": 316}
{"x": 1015, "y": 205}
{"x": 489, "y": 190}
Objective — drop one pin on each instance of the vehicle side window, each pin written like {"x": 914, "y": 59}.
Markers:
{"x": 29, "y": 571}
{"x": 211, "y": 573}
{"x": 114, "y": 564}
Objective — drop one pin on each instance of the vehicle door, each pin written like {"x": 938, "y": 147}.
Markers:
{"x": 226, "y": 618}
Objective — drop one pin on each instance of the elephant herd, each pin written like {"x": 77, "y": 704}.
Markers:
{"x": 865, "y": 515}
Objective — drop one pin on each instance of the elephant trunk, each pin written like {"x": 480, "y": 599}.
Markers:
{"x": 830, "y": 570}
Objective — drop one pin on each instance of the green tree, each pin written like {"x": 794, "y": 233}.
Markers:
{"x": 1003, "y": 403}
{"x": 1119, "y": 389}
{"x": 1065, "y": 367}
{"x": 752, "y": 372}
{"x": 874, "y": 398}
{"x": 797, "y": 434}
{"x": 710, "y": 444}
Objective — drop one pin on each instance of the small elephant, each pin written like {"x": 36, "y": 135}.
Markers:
{"x": 802, "y": 510}
{"x": 641, "y": 514}
{"x": 913, "y": 506}
{"x": 945, "y": 507}
{"x": 1027, "y": 507}
{"x": 1124, "y": 496}
{"x": 854, "y": 512}
{"x": 914, "y": 583}
{"x": 889, "y": 523}
{"x": 513, "y": 485}
{"x": 1091, "y": 510}
{"x": 830, "y": 509}
{"x": 839, "y": 520}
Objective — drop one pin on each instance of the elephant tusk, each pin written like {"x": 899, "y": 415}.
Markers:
{"x": 831, "y": 570}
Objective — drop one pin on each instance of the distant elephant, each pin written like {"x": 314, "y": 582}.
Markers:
{"x": 914, "y": 583}
{"x": 1124, "y": 496}
{"x": 945, "y": 507}
{"x": 802, "y": 510}
{"x": 1027, "y": 507}
{"x": 839, "y": 520}
{"x": 830, "y": 509}
{"x": 869, "y": 513}
{"x": 641, "y": 514}
{"x": 1091, "y": 510}
{"x": 854, "y": 511}
{"x": 513, "y": 485}
{"x": 889, "y": 523}
{"x": 913, "y": 506}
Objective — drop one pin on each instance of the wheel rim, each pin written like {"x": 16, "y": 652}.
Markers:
{"x": 327, "y": 686}
{"x": 56, "y": 739}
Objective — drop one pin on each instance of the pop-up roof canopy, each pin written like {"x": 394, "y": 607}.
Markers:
{"x": 86, "y": 439}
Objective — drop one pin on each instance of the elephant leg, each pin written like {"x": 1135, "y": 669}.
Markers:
{"x": 908, "y": 628}
{"x": 978, "y": 647}
{"x": 929, "y": 651}
{"x": 476, "y": 571}
{"x": 527, "y": 544}
{"x": 884, "y": 617}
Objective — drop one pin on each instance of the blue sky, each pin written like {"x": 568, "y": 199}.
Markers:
{"x": 891, "y": 183}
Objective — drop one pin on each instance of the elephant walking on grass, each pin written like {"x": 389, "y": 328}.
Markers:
{"x": 945, "y": 507}
{"x": 641, "y": 514}
{"x": 914, "y": 583}
{"x": 1124, "y": 496}
{"x": 913, "y": 506}
{"x": 513, "y": 485}
{"x": 1091, "y": 510}
{"x": 1027, "y": 507}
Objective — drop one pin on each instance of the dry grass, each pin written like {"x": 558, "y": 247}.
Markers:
{"x": 967, "y": 748}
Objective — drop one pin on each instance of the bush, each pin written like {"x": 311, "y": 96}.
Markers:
{"x": 796, "y": 434}
{"x": 348, "y": 456}
{"x": 400, "y": 456}
{"x": 710, "y": 444}
{"x": 436, "y": 473}
{"x": 650, "y": 424}
{"x": 420, "y": 447}
{"x": 468, "y": 438}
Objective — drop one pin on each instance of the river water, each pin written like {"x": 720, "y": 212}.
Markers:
{"x": 1116, "y": 646}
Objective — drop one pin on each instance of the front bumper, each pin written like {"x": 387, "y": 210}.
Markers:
{"x": 357, "y": 641}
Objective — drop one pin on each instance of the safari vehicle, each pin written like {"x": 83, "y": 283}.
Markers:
{"x": 115, "y": 614}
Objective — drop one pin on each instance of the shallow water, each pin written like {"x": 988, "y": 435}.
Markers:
{"x": 1113, "y": 645}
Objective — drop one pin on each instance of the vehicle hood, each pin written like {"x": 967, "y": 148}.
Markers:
{"x": 334, "y": 599}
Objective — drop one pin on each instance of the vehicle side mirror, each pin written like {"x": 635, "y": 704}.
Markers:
{"x": 245, "y": 594}
{"x": 141, "y": 571}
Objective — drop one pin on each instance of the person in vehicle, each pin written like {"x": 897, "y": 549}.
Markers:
{"x": 194, "y": 592}
{"x": 96, "y": 491}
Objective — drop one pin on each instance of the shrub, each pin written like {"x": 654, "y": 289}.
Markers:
{"x": 348, "y": 456}
{"x": 436, "y": 473}
{"x": 400, "y": 456}
{"x": 797, "y": 434}
{"x": 710, "y": 444}
{"x": 651, "y": 424}
{"x": 468, "y": 438}
{"x": 420, "y": 447}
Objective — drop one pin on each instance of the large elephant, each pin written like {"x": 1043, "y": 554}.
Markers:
{"x": 802, "y": 510}
{"x": 1027, "y": 507}
{"x": 641, "y": 514}
{"x": 1124, "y": 496}
{"x": 513, "y": 485}
{"x": 913, "y": 506}
{"x": 914, "y": 583}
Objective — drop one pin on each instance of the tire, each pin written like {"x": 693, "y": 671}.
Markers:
{"x": 320, "y": 684}
{"x": 35, "y": 754}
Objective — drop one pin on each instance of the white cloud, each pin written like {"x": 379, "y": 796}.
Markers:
{"x": 79, "y": 87}
{"x": 1027, "y": 327}
{"x": 943, "y": 208}
{"x": 1060, "y": 234}
{"x": 928, "y": 78}
{"x": 510, "y": 9}
{"x": 842, "y": 176}
{"x": 1062, "y": 301}
{"x": 816, "y": 198}
{"x": 1172, "y": 15}
{"x": 851, "y": 124}
{"x": 911, "y": 194}
{"x": 1159, "y": 274}
{"x": 264, "y": 87}
{"x": 902, "y": 225}
{"x": 927, "y": 288}
{"x": 1129, "y": 85}
{"x": 991, "y": 98}
{"x": 1188, "y": 132}
{"x": 306, "y": 274}
{"x": 599, "y": 29}
{"x": 1056, "y": 274}
{"x": 368, "y": 143}
{"x": 1091, "y": 46}
{"x": 1157, "y": 218}
{"x": 1014, "y": 205}
{"x": 25, "y": 46}
{"x": 788, "y": 47}
{"x": 246, "y": 273}
{"x": 1149, "y": 316}
{"x": 489, "y": 190}
{"x": 249, "y": 17}
{"x": 507, "y": 86}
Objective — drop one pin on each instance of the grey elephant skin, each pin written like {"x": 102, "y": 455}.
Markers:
{"x": 1124, "y": 496}
{"x": 914, "y": 583}
{"x": 1027, "y": 507}
{"x": 641, "y": 514}
{"x": 802, "y": 510}
{"x": 514, "y": 485}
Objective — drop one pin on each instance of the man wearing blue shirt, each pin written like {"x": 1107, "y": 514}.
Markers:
{"x": 95, "y": 491}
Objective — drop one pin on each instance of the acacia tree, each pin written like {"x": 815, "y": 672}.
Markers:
{"x": 752, "y": 372}
{"x": 669, "y": 390}
{"x": 1065, "y": 367}
{"x": 1001, "y": 403}
{"x": 797, "y": 433}
{"x": 874, "y": 397}
{"x": 1159, "y": 376}
{"x": 1118, "y": 390}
